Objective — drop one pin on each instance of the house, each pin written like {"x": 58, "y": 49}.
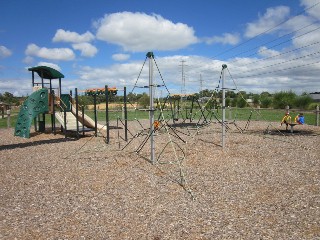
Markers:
{"x": 315, "y": 96}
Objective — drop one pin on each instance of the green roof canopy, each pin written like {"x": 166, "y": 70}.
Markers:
{"x": 46, "y": 72}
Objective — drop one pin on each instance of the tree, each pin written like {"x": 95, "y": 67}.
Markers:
{"x": 144, "y": 100}
{"x": 266, "y": 102}
{"x": 256, "y": 100}
{"x": 303, "y": 101}
{"x": 241, "y": 102}
{"x": 283, "y": 99}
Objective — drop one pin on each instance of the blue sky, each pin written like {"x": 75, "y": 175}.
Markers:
{"x": 269, "y": 45}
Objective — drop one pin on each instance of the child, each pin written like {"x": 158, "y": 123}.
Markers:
{"x": 299, "y": 118}
{"x": 286, "y": 120}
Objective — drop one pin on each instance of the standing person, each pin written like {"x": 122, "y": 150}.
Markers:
{"x": 286, "y": 120}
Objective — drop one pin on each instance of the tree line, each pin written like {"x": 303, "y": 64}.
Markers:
{"x": 278, "y": 100}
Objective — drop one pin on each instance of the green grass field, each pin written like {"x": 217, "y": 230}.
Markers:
{"x": 238, "y": 114}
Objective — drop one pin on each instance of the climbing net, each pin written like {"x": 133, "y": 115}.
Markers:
{"x": 170, "y": 143}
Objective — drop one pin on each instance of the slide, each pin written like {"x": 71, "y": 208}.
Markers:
{"x": 88, "y": 122}
{"x": 37, "y": 103}
{"x": 71, "y": 120}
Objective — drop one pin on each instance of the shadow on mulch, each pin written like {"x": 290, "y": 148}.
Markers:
{"x": 289, "y": 133}
{"x": 34, "y": 143}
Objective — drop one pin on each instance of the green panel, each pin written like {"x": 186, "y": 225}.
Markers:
{"x": 65, "y": 98}
{"x": 34, "y": 105}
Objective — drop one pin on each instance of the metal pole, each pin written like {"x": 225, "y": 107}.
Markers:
{"x": 77, "y": 111}
{"x": 8, "y": 118}
{"x": 151, "y": 110}
{"x": 95, "y": 114}
{"x": 125, "y": 114}
{"x": 224, "y": 66}
{"x": 107, "y": 113}
{"x": 317, "y": 115}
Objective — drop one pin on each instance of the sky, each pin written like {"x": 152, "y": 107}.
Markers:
{"x": 267, "y": 45}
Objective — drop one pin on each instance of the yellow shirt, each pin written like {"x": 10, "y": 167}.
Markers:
{"x": 286, "y": 118}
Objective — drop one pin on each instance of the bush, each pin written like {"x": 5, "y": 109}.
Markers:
{"x": 303, "y": 101}
{"x": 283, "y": 99}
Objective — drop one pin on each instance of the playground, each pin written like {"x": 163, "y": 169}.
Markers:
{"x": 180, "y": 174}
{"x": 263, "y": 185}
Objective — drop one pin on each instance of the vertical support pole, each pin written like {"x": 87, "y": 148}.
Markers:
{"x": 65, "y": 122}
{"x": 53, "y": 112}
{"x": 82, "y": 111}
{"x": 32, "y": 78}
{"x": 95, "y": 114}
{"x": 70, "y": 100}
{"x": 107, "y": 114}
{"x": 151, "y": 110}
{"x": 317, "y": 115}
{"x": 59, "y": 93}
{"x": 77, "y": 111}
{"x": 190, "y": 114}
{"x": 8, "y": 118}
{"x": 125, "y": 114}
{"x": 224, "y": 66}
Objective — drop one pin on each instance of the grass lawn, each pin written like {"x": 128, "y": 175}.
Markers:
{"x": 243, "y": 114}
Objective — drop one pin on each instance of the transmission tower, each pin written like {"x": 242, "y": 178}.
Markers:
{"x": 183, "y": 77}
{"x": 201, "y": 83}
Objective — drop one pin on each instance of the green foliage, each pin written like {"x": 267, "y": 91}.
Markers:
{"x": 144, "y": 100}
{"x": 9, "y": 99}
{"x": 256, "y": 100}
{"x": 241, "y": 102}
{"x": 266, "y": 102}
{"x": 283, "y": 99}
{"x": 234, "y": 102}
{"x": 303, "y": 101}
{"x": 312, "y": 106}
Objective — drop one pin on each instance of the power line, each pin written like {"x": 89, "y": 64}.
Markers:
{"x": 287, "y": 61}
{"x": 268, "y": 30}
{"x": 273, "y": 40}
{"x": 279, "y": 70}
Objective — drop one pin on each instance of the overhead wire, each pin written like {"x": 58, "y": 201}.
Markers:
{"x": 268, "y": 30}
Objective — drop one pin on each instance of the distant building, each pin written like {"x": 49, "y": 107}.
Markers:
{"x": 315, "y": 96}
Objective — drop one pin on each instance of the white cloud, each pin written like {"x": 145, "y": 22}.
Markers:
{"x": 226, "y": 38}
{"x": 28, "y": 60}
{"x": 315, "y": 7}
{"x": 270, "y": 19}
{"x": 52, "y": 65}
{"x": 4, "y": 52}
{"x": 265, "y": 52}
{"x": 141, "y": 32}
{"x": 73, "y": 37}
{"x": 120, "y": 57}
{"x": 87, "y": 49}
{"x": 64, "y": 54}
